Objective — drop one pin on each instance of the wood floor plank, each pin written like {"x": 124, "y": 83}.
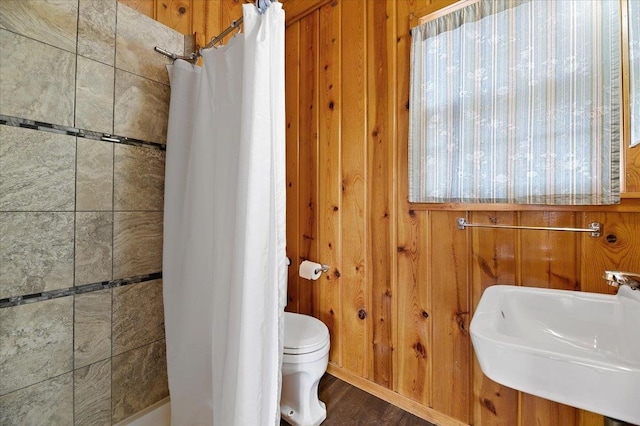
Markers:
{"x": 349, "y": 406}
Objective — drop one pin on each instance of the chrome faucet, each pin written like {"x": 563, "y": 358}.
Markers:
{"x": 618, "y": 278}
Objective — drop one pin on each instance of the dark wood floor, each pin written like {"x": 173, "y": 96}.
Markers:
{"x": 348, "y": 405}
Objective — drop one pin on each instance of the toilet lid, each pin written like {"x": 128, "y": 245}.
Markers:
{"x": 303, "y": 334}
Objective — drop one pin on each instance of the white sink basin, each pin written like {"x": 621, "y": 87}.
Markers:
{"x": 577, "y": 348}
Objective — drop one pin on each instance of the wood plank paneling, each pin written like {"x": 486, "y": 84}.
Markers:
{"x": 230, "y": 11}
{"x": 200, "y": 17}
{"x": 537, "y": 411}
{"x": 415, "y": 312}
{"x": 329, "y": 185}
{"x": 632, "y": 171}
{"x": 146, "y": 7}
{"x": 451, "y": 314}
{"x": 206, "y": 20}
{"x": 292, "y": 93}
{"x": 298, "y": 9}
{"x": 494, "y": 263}
{"x": 176, "y": 14}
{"x": 414, "y": 302}
{"x": 308, "y": 154}
{"x": 618, "y": 249}
{"x": 587, "y": 418}
{"x": 379, "y": 189}
{"x": 355, "y": 301}
{"x": 549, "y": 259}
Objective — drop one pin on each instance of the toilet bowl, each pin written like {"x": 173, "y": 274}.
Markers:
{"x": 306, "y": 354}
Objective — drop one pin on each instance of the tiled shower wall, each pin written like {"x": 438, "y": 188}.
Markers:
{"x": 83, "y": 113}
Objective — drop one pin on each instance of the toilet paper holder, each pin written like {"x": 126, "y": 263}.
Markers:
{"x": 323, "y": 268}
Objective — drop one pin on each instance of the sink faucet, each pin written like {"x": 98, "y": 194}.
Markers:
{"x": 618, "y": 278}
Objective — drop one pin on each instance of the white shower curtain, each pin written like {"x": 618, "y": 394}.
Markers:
{"x": 224, "y": 229}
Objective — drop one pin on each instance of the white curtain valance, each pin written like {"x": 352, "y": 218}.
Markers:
{"x": 517, "y": 102}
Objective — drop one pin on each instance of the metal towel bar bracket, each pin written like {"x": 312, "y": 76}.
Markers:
{"x": 594, "y": 229}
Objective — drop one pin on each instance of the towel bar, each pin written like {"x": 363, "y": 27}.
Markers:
{"x": 594, "y": 228}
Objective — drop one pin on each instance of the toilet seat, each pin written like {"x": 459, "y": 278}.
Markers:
{"x": 304, "y": 334}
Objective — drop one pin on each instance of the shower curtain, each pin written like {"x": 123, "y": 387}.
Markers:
{"x": 224, "y": 229}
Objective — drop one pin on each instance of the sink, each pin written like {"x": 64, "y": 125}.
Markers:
{"x": 577, "y": 348}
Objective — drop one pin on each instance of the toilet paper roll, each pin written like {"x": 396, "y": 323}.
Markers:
{"x": 310, "y": 270}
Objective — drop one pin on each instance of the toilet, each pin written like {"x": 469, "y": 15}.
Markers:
{"x": 306, "y": 354}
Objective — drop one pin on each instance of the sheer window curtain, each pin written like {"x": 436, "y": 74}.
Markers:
{"x": 517, "y": 102}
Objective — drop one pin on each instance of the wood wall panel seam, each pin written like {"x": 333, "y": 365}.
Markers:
{"x": 380, "y": 193}
{"x": 329, "y": 211}
{"x": 292, "y": 97}
{"x": 354, "y": 266}
{"x": 392, "y": 47}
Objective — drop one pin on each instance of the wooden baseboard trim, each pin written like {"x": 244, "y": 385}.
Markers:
{"x": 422, "y": 411}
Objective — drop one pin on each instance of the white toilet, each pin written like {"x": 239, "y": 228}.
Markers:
{"x": 306, "y": 354}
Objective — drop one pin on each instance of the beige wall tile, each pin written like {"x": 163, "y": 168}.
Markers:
{"x": 94, "y": 185}
{"x": 45, "y": 403}
{"x": 97, "y": 30}
{"x": 36, "y": 252}
{"x": 139, "y": 178}
{"x": 45, "y": 177}
{"x": 136, "y": 36}
{"x": 36, "y": 86}
{"x": 137, "y": 243}
{"x": 37, "y": 170}
{"x": 139, "y": 379}
{"x": 51, "y": 22}
{"x": 141, "y": 108}
{"x": 37, "y": 342}
{"x": 138, "y": 315}
{"x": 93, "y": 394}
{"x": 94, "y": 239}
{"x": 92, "y": 327}
{"x": 94, "y": 96}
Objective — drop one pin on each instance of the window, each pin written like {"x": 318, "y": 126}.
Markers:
{"x": 634, "y": 70}
{"x": 517, "y": 102}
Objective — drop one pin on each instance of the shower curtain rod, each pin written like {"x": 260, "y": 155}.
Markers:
{"x": 192, "y": 57}
{"x": 234, "y": 24}
{"x": 261, "y": 5}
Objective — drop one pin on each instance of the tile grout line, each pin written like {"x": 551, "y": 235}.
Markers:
{"x": 138, "y": 347}
{"x": 37, "y": 383}
{"x": 113, "y": 208}
{"x": 75, "y": 229}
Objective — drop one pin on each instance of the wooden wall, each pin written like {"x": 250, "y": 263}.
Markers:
{"x": 202, "y": 17}
{"x": 404, "y": 281}
{"x": 207, "y": 18}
